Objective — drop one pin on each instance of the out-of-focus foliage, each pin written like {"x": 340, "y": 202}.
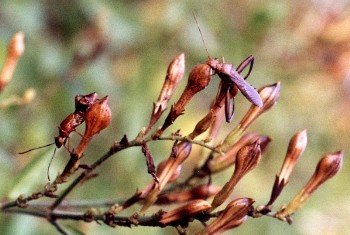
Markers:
{"x": 122, "y": 49}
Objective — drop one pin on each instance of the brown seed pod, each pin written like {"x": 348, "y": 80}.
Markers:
{"x": 97, "y": 118}
{"x": 198, "y": 79}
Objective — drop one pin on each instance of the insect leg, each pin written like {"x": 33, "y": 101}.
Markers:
{"x": 229, "y": 105}
{"x": 248, "y": 61}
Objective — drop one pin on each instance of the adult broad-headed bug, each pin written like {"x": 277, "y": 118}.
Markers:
{"x": 231, "y": 80}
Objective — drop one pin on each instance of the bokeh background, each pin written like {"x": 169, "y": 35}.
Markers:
{"x": 122, "y": 49}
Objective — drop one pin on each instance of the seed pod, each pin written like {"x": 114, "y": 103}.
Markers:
{"x": 327, "y": 167}
{"x": 247, "y": 159}
{"x": 269, "y": 95}
{"x": 97, "y": 118}
{"x": 173, "y": 77}
{"x": 198, "y": 79}
{"x": 296, "y": 148}
{"x": 203, "y": 191}
{"x": 233, "y": 215}
{"x": 222, "y": 162}
{"x": 187, "y": 211}
{"x": 207, "y": 121}
{"x": 161, "y": 166}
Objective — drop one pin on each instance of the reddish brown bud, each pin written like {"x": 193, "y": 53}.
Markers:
{"x": 15, "y": 50}
{"x": 327, "y": 167}
{"x": 199, "y": 192}
{"x": 187, "y": 211}
{"x": 296, "y": 148}
{"x": 233, "y": 215}
{"x": 173, "y": 77}
{"x": 247, "y": 159}
{"x": 198, "y": 79}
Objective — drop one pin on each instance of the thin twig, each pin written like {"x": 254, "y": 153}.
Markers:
{"x": 114, "y": 149}
{"x": 58, "y": 227}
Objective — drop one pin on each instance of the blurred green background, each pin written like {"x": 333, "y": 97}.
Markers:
{"x": 122, "y": 49}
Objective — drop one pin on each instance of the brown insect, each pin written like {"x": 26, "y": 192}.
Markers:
{"x": 73, "y": 120}
{"x": 70, "y": 123}
{"x": 231, "y": 80}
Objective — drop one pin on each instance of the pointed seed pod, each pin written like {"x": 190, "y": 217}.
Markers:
{"x": 327, "y": 167}
{"x": 247, "y": 159}
{"x": 296, "y": 148}
{"x": 176, "y": 173}
{"x": 198, "y": 79}
{"x": 187, "y": 211}
{"x": 269, "y": 95}
{"x": 173, "y": 77}
{"x": 222, "y": 162}
{"x": 232, "y": 216}
{"x": 97, "y": 118}
{"x": 203, "y": 191}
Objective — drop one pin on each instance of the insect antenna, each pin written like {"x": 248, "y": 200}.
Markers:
{"x": 48, "y": 167}
{"x": 200, "y": 32}
{"x": 27, "y": 151}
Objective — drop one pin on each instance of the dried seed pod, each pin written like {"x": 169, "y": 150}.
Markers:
{"x": 232, "y": 216}
{"x": 176, "y": 173}
{"x": 296, "y": 148}
{"x": 15, "y": 50}
{"x": 97, "y": 118}
{"x": 187, "y": 211}
{"x": 203, "y": 191}
{"x": 327, "y": 167}
{"x": 173, "y": 77}
{"x": 247, "y": 159}
{"x": 198, "y": 79}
